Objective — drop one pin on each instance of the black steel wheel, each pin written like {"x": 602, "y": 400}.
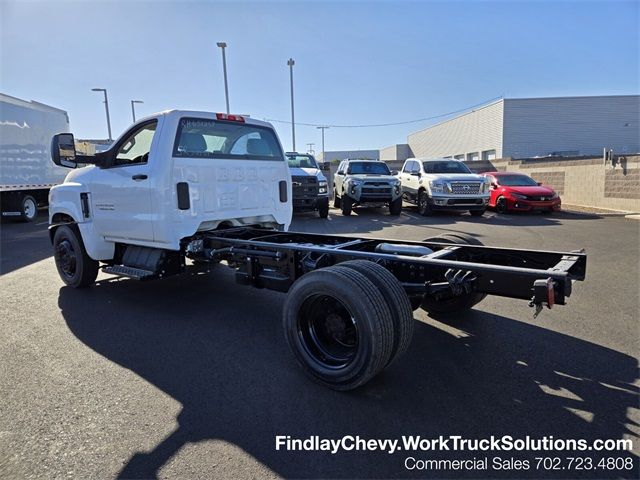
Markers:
{"x": 74, "y": 265}
{"x": 338, "y": 326}
{"x": 458, "y": 303}
{"x": 397, "y": 301}
{"x": 501, "y": 205}
{"x": 423, "y": 204}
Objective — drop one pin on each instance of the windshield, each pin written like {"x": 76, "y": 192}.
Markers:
{"x": 451, "y": 166}
{"x": 301, "y": 161}
{"x": 203, "y": 138}
{"x": 516, "y": 181}
{"x": 368, "y": 168}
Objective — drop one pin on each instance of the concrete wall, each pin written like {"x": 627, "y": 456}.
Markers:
{"x": 584, "y": 125}
{"x": 581, "y": 181}
{"x": 400, "y": 151}
{"x": 342, "y": 154}
{"x": 476, "y": 131}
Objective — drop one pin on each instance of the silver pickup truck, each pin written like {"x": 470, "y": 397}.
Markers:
{"x": 443, "y": 184}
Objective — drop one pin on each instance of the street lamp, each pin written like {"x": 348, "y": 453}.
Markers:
{"x": 291, "y": 63}
{"x": 223, "y": 45}
{"x": 133, "y": 110}
{"x": 323, "y": 129}
{"x": 106, "y": 107}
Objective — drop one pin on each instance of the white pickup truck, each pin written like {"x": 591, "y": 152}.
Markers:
{"x": 212, "y": 188}
{"x": 443, "y": 184}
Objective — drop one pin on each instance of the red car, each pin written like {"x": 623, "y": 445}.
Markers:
{"x": 516, "y": 191}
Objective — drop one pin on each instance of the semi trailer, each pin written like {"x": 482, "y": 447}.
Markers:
{"x": 181, "y": 189}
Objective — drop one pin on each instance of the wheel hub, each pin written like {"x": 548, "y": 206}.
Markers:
{"x": 66, "y": 257}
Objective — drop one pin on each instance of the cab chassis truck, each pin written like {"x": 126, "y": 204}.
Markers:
{"x": 349, "y": 307}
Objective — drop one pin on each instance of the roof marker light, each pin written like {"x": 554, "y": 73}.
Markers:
{"x": 231, "y": 118}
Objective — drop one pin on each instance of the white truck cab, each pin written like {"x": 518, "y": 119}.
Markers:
{"x": 167, "y": 177}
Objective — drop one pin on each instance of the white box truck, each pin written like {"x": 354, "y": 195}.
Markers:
{"x": 26, "y": 170}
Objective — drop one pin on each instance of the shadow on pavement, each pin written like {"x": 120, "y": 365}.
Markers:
{"x": 22, "y": 244}
{"x": 218, "y": 349}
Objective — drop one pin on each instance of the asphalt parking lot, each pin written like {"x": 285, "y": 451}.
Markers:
{"x": 190, "y": 377}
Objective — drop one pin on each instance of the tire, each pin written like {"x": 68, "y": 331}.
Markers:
{"x": 28, "y": 208}
{"x": 347, "y": 205}
{"x": 424, "y": 208}
{"x": 338, "y": 326}
{"x": 397, "y": 301}
{"x": 395, "y": 207}
{"x": 477, "y": 213}
{"x": 323, "y": 208}
{"x": 74, "y": 265}
{"x": 458, "y": 303}
{"x": 336, "y": 199}
{"x": 501, "y": 205}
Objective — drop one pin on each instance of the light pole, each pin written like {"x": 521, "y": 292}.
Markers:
{"x": 106, "y": 107}
{"x": 133, "y": 110}
{"x": 223, "y": 45}
{"x": 323, "y": 129}
{"x": 291, "y": 63}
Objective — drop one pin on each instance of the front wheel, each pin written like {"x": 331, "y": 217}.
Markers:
{"x": 395, "y": 207}
{"x": 336, "y": 199}
{"x": 74, "y": 265}
{"x": 501, "y": 205}
{"x": 323, "y": 208}
{"x": 423, "y": 204}
{"x": 346, "y": 204}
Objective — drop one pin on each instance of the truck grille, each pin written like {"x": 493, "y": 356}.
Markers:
{"x": 465, "y": 188}
{"x": 304, "y": 186}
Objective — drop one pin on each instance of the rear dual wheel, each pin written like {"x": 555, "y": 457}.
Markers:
{"x": 346, "y": 323}
{"x": 457, "y": 303}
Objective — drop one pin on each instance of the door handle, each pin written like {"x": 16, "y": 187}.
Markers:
{"x": 139, "y": 177}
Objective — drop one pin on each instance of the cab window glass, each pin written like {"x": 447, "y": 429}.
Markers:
{"x": 407, "y": 167}
{"x": 137, "y": 146}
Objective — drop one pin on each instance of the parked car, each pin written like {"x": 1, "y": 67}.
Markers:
{"x": 517, "y": 191}
{"x": 366, "y": 183}
{"x": 443, "y": 184}
{"x": 310, "y": 191}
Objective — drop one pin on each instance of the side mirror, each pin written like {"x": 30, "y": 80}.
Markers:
{"x": 63, "y": 150}
{"x": 494, "y": 186}
{"x": 539, "y": 184}
{"x": 339, "y": 173}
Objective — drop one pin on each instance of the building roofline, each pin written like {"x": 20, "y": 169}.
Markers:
{"x": 573, "y": 96}
{"x": 30, "y": 103}
{"x": 458, "y": 116}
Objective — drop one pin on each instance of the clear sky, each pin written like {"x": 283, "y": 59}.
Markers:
{"x": 356, "y": 63}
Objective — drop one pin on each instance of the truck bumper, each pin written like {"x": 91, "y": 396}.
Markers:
{"x": 447, "y": 203}
{"x": 309, "y": 203}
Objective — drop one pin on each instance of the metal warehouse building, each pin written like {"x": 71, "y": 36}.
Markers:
{"x": 530, "y": 127}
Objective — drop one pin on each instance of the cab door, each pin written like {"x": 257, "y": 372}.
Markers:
{"x": 338, "y": 179}
{"x": 121, "y": 191}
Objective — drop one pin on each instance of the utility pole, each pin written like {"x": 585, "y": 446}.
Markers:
{"x": 133, "y": 110}
{"x": 291, "y": 63}
{"x": 310, "y": 150}
{"x": 223, "y": 45}
{"x": 323, "y": 129}
{"x": 106, "y": 107}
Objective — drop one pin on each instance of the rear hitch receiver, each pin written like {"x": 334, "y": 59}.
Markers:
{"x": 543, "y": 295}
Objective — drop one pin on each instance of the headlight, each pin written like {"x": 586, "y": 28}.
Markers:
{"x": 437, "y": 186}
{"x": 519, "y": 196}
{"x": 322, "y": 183}
{"x": 555, "y": 195}
{"x": 486, "y": 186}
{"x": 354, "y": 182}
